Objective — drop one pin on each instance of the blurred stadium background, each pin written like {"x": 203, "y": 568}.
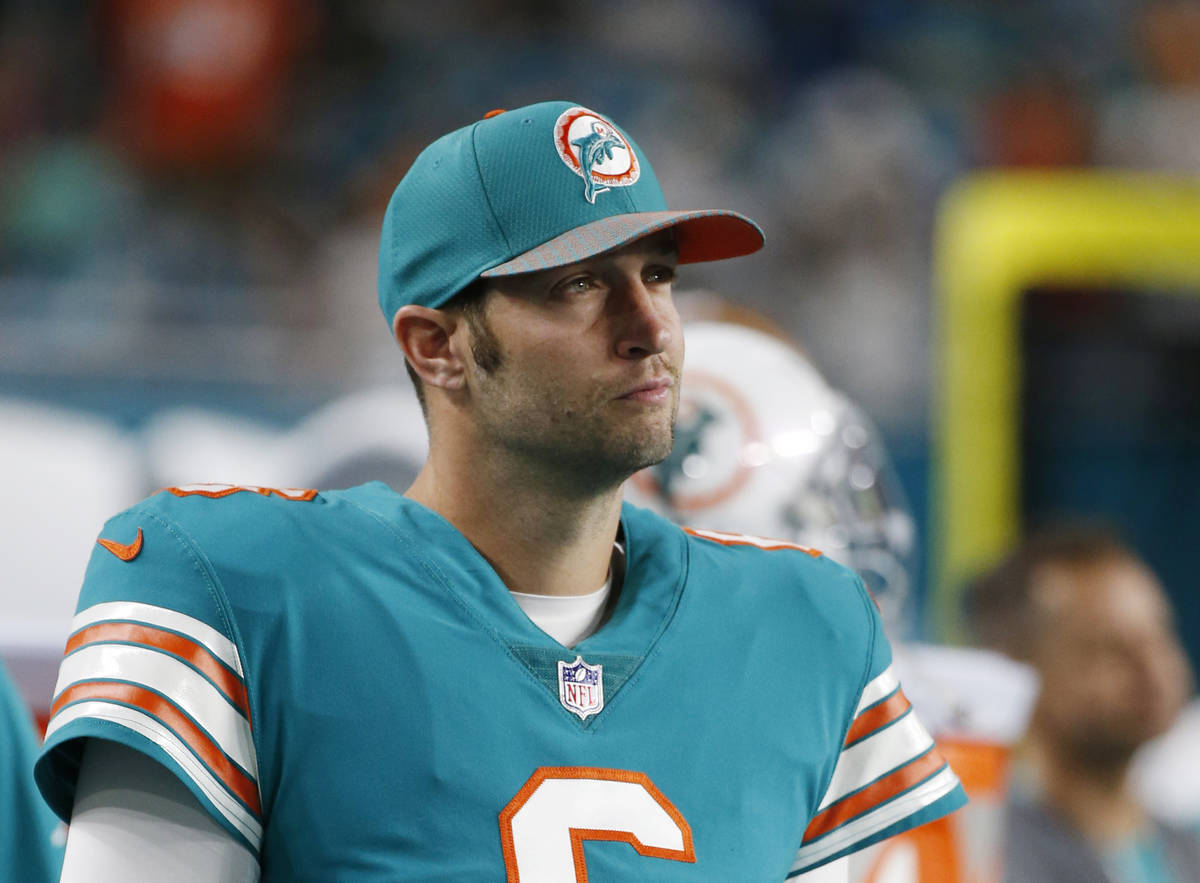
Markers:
{"x": 190, "y": 194}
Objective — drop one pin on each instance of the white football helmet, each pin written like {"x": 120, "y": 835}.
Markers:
{"x": 764, "y": 446}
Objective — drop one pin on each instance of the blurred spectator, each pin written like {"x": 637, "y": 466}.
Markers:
{"x": 1154, "y": 122}
{"x": 198, "y": 82}
{"x": 1088, "y": 614}
{"x": 173, "y": 161}
{"x": 1037, "y": 123}
{"x": 852, "y": 168}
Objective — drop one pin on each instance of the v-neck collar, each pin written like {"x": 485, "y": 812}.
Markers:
{"x": 655, "y": 573}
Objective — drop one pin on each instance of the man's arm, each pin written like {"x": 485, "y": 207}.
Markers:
{"x": 889, "y": 776}
{"x": 135, "y": 820}
{"x": 152, "y": 663}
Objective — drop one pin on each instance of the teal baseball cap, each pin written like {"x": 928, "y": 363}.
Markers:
{"x": 529, "y": 189}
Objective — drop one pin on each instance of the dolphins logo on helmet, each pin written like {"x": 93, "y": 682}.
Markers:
{"x": 764, "y": 446}
{"x": 594, "y": 149}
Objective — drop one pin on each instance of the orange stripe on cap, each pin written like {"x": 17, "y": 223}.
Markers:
{"x": 875, "y": 794}
{"x": 493, "y": 113}
{"x": 196, "y": 739}
{"x": 878, "y": 715}
{"x": 195, "y": 654}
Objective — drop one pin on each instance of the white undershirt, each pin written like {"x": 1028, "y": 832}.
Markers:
{"x": 134, "y": 821}
{"x": 568, "y": 619}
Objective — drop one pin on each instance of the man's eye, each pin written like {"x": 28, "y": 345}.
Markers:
{"x": 575, "y": 285}
{"x": 659, "y": 275}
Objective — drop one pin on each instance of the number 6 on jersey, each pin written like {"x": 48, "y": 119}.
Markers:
{"x": 543, "y": 828}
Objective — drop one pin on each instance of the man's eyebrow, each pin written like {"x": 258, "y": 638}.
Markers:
{"x": 661, "y": 242}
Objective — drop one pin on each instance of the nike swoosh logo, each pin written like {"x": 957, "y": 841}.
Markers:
{"x": 124, "y": 551}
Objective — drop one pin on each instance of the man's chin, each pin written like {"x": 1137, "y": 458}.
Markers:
{"x": 638, "y": 456}
{"x": 654, "y": 449}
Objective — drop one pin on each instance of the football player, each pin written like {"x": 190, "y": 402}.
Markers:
{"x": 503, "y": 672}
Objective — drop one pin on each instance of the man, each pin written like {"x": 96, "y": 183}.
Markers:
{"x": 1093, "y": 621}
{"x": 502, "y": 674}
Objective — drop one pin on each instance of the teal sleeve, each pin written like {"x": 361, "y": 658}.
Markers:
{"x": 889, "y": 775}
{"x": 153, "y": 662}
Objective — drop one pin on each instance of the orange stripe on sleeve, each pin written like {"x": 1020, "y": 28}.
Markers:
{"x": 225, "y": 770}
{"x": 875, "y": 794}
{"x": 877, "y": 716}
{"x": 190, "y": 651}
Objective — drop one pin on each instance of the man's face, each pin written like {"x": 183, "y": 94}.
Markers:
{"x": 1113, "y": 672}
{"x": 577, "y": 368}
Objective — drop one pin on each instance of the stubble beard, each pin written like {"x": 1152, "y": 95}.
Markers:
{"x": 587, "y": 443}
{"x": 585, "y": 446}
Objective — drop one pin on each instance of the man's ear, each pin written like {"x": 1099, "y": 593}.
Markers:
{"x": 427, "y": 338}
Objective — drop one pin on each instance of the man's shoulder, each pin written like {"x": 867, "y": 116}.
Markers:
{"x": 202, "y": 533}
{"x": 228, "y": 511}
{"x": 761, "y": 572}
{"x": 749, "y": 545}
{"x": 217, "y": 502}
{"x": 721, "y": 543}
{"x": 206, "y": 549}
{"x": 782, "y": 564}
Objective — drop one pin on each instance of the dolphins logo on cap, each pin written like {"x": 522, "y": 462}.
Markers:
{"x": 595, "y": 149}
{"x": 592, "y": 147}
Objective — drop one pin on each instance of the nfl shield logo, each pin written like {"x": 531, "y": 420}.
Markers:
{"x": 581, "y": 687}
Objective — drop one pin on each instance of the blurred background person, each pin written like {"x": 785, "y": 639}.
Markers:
{"x": 1092, "y": 619}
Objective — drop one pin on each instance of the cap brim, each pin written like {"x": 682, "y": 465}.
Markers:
{"x": 700, "y": 236}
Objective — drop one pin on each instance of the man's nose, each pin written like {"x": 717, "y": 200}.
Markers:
{"x": 645, "y": 325}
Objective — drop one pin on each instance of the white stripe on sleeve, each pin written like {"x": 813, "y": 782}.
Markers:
{"x": 877, "y": 755}
{"x": 188, "y": 689}
{"x": 882, "y": 685}
{"x": 200, "y": 632}
{"x": 877, "y": 820}
{"x": 237, "y": 815}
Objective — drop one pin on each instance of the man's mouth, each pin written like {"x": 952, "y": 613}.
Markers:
{"x": 657, "y": 389}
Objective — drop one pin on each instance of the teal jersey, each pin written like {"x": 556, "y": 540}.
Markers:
{"x": 348, "y": 687}
{"x": 30, "y": 839}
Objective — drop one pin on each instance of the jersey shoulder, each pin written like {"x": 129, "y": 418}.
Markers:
{"x": 166, "y": 549}
{"x": 765, "y": 580}
{"x": 156, "y": 658}
{"x": 782, "y": 574}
